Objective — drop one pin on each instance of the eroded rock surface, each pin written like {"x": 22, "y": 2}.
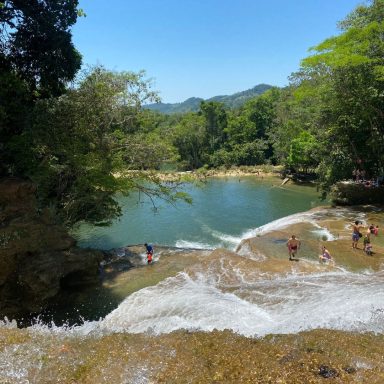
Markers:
{"x": 38, "y": 259}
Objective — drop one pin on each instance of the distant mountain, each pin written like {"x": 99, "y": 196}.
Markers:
{"x": 193, "y": 103}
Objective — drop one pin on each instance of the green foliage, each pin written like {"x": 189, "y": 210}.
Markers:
{"x": 36, "y": 42}
{"x": 37, "y": 59}
{"x": 301, "y": 154}
{"x": 346, "y": 72}
{"x": 189, "y": 138}
{"x": 215, "y": 123}
{"x": 83, "y": 144}
{"x": 252, "y": 153}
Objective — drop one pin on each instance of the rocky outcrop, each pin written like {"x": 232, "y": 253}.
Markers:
{"x": 38, "y": 259}
{"x": 350, "y": 193}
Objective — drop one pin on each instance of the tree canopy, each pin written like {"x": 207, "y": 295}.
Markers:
{"x": 36, "y": 43}
{"x": 84, "y": 137}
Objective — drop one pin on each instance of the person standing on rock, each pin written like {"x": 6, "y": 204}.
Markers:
{"x": 149, "y": 249}
{"x": 293, "y": 245}
{"x": 356, "y": 227}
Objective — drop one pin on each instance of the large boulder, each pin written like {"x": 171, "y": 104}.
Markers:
{"x": 350, "y": 193}
{"x": 38, "y": 259}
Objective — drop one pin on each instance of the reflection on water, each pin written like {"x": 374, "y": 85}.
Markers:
{"x": 223, "y": 212}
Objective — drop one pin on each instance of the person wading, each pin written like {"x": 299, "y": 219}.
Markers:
{"x": 149, "y": 249}
{"x": 356, "y": 227}
{"x": 293, "y": 245}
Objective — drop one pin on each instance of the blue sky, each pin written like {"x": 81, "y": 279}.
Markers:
{"x": 205, "y": 48}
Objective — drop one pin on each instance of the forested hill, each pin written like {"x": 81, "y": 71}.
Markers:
{"x": 193, "y": 103}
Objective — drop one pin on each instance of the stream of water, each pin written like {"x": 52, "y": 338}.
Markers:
{"x": 247, "y": 286}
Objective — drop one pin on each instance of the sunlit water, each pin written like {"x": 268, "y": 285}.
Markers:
{"x": 232, "y": 290}
{"x": 251, "y": 291}
{"x": 286, "y": 305}
{"x": 224, "y": 211}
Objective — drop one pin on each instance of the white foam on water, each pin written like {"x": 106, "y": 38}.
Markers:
{"x": 233, "y": 241}
{"x": 254, "y": 306}
{"x": 340, "y": 301}
{"x": 324, "y": 234}
{"x": 289, "y": 304}
{"x": 226, "y": 239}
{"x": 281, "y": 223}
{"x": 248, "y": 303}
{"x": 183, "y": 303}
{"x": 192, "y": 245}
{"x": 245, "y": 250}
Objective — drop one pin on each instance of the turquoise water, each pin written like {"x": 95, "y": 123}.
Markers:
{"x": 223, "y": 211}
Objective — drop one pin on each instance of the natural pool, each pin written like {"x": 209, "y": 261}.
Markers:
{"x": 224, "y": 211}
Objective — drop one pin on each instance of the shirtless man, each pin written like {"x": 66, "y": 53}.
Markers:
{"x": 293, "y": 245}
{"x": 356, "y": 227}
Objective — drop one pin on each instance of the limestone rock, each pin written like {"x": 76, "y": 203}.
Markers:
{"x": 38, "y": 259}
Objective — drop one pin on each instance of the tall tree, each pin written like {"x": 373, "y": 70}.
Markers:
{"x": 37, "y": 59}
{"x": 216, "y": 123}
{"x": 36, "y": 42}
{"x": 347, "y": 71}
{"x": 189, "y": 138}
{"x": 83, "y": 148}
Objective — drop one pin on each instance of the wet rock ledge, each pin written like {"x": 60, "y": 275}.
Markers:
{"x": 38, "y": 259}
{"x": 350, "y": 193}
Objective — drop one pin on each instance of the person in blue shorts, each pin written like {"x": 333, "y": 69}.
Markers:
{"x": 356, "y": 234}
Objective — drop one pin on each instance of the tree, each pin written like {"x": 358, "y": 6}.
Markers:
{"x": 216, "y": 123}
{"x": 347, "y": 71}
{"x": 36, "y": 43}
{"x": 82, "y": 149}
{"x": 37, "y": 59}
{"x": 301, "y": 154}
{"x": 189, "y": 139}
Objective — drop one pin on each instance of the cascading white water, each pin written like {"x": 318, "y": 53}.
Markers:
{"x": 289, "y": 304}
{"x": 252, "y": 304}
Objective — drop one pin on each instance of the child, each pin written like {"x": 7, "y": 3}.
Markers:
{"x": 367, "y": 245}
{"x": 325, "y": 256}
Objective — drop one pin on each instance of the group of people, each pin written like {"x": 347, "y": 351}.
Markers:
{"x": 359, "y": 176}
{"x": 293, "y": 245}
{"x": 357, "y": 227}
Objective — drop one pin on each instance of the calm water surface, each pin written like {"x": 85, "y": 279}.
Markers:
{"x": 223, "y": 211}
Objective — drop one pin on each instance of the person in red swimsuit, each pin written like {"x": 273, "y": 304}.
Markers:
{"x": 149, "y": 249}
{"x": 293, "y": 245}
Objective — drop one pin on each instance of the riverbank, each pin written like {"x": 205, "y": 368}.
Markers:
{"x": 259, "y": 171}
{"x": 202, "y": 173}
